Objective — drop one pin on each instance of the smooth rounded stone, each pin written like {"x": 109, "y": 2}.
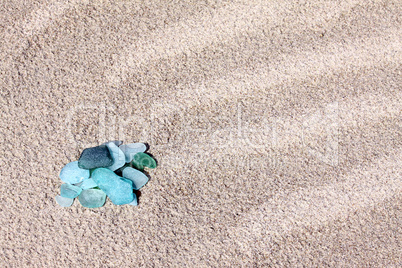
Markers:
{"x": 117, "y": 143}
{"x": 72, "y": 173}
{"x": 64, "y": 201}
{"x": 138, "y": 178}
{"x": 92, "y": 198}
{"x": 142, "y": 160}
{"x": 117, "y": 155}
{"x": 69, "y": 191}
{"x": 134, "y": 202}
{"x": 95, "y": 157}
{"x": 131, "y": 149}
{"x": 118, "y": 189}
{"x": 88, "y": 184}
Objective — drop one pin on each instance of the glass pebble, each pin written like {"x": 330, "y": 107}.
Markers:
{"x": 72, "y": 173}
{"x": 69, "y": 191}
{"x": 142, "y": 160}
{"x": 138, "y": 178}
{"x": 95, "y": 157}
{"x": 118, "y": 189}
{"x": 64, "y": 201}
{"x": 117, "y": 155}
{"x": 92, "y": 198}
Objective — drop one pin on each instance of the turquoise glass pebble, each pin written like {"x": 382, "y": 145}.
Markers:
{"x": 118, "y": 189}
{"x": 69, "y": 191}
{"x": 92, "y": 198}
{"x": 72, "y": 173}
{"x": 138, "y": 178}
{"x": 95, "y": 157}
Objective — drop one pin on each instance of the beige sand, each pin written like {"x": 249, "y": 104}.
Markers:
{"x": 276, "y": 124}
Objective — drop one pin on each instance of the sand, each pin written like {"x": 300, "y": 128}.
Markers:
{"x": 276, "y": 126}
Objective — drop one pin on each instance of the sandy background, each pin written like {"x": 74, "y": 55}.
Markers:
{"x": 276, "y": 124}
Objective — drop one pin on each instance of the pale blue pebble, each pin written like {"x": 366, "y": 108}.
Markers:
{"x": 131, "y": 149}
{"x": 118, "y": 189}
{"x": 138, "y": 178}
{"x": 117, "y": 155}
{"x": 72, "y": 174}
{"x": 64, "y": 201}
{"x": 69, "y": 191}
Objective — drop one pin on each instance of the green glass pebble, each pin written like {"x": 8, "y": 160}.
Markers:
{"x": 117, "y": 155}
{"x": 131, "y": 149}
{"x": 142, "y": 160}
{"x": 118, "y": 189}
{"x": 69, "y": 191}
{"x": 88, "y": 184}
{"x": 64, "y": 201}
{"x": 95, "y": 157}
{"x": 138, "y": 178}
{"x": 92, "y": 198}
{"x": 72, "y": 173}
